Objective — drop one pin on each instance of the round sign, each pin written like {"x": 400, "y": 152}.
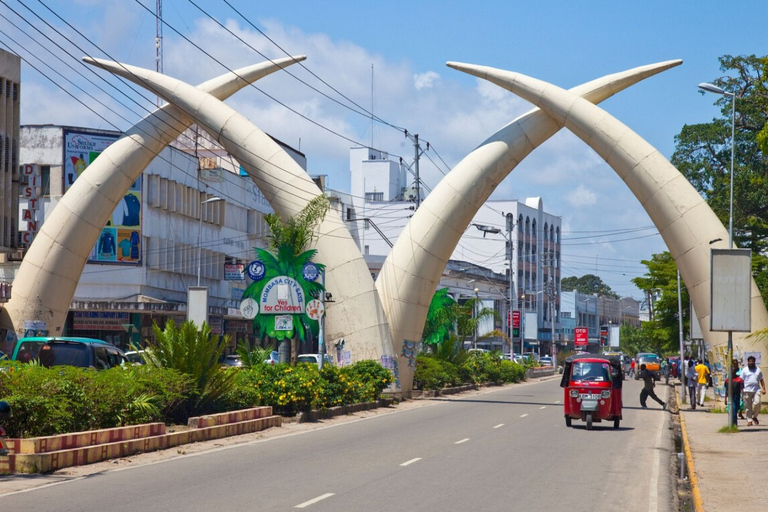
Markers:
{"x": 256, "y": 270}
{"x": 315, "y": 309}
{"x": 249, "y": 308}
{"x": 310, "y": 271}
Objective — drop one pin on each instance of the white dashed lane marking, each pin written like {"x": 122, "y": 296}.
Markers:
{"x": 315, "y": 500}
{"x": 462, "y": 441}
{"x": 409, "y": 462}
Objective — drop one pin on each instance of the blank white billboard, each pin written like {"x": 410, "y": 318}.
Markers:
{"x": 731, "y": 290}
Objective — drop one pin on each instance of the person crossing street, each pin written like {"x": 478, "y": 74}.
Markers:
{"x": 648, "y": 385}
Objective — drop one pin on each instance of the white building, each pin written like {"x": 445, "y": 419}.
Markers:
{"x": 505, "y": 232}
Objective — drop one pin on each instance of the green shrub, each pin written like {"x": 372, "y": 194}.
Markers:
{"x": 50, "y": 401}
{"x": 429, "y": 373}
{"x": 373, "y": 377}
{"x": 510, "y": 371}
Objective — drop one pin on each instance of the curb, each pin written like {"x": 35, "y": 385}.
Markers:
{"x": 698, "y": 505}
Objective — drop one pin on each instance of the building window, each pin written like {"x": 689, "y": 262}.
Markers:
{"x": 374, "y": 196}
{"x": 45, "y": 180}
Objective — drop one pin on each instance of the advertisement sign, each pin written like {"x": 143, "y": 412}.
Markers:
{"x": 282, "y": 295}
{"x": 581, "y": 337}
{"x": 234, "y": 272}
{"x": 516, "y": 319}
{"x": 99, "y": 320}
{"x": 120, "y": 240}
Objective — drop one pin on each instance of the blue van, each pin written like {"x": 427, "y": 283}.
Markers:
{"x": 71, "y": 351}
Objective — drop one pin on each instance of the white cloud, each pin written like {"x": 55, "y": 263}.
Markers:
{"x": 425, "y": 80}
{"x": 581, "y": 196}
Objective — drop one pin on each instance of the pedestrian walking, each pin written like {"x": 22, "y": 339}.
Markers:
{"x": 691, "y": 380}
{"x": 738, "y": 386}
{"x": 754, "y": 385}
{"x": 665, "y": 369}
{"x": 632, "y": 368}
{"x": 648, "y": 385}
{"x": 702, "y": 376}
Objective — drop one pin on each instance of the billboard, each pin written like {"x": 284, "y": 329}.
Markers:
{"x": 581, "y": 337}
{"x": 120, "y": 240}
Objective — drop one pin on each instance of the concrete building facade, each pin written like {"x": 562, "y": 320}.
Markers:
{"x": 118, "y": 298}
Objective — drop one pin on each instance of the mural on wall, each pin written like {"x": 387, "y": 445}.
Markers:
{"x": 120, "y": 240}
{"x": 282, "y": 292}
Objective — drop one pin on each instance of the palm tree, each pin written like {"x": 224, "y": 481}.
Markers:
{"x": 445, "y": 317}
{"x": 287, "y": 257}
{"x": 469, "y": 315}
{"x": 196, "y": 354}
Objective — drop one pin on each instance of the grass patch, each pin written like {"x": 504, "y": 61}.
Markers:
{"x": 729, "y": 430}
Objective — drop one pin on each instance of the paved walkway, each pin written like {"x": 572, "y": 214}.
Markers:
{"x": 730, "y": 469}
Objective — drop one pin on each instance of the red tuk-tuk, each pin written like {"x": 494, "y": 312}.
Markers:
{"x": 592, "y": 389}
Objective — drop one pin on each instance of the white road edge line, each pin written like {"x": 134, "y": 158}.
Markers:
{"x": 499, "y": 425}
{"x": 409, "y": 462}
{"x": 462, "y": 441}
{"x": 653, "y": 498}
{"x": 315, "y": 500}
{"x": 524, "y": 415}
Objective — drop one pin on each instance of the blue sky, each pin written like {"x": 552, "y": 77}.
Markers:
{"x": 390, "y": 56}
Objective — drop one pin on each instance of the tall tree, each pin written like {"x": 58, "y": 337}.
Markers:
{"x": 589, "y": 284}
{"x": 703, "y": 155}
{"x": 662, "y": 332}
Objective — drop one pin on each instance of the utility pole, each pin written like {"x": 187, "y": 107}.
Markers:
{"x": 159, "y": 41}
{"x": 513, "y": 302}
{"x": 417, "y": 152}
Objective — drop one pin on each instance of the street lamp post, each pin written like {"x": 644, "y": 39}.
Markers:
{"x": 476, "y": 312}
{"x": 510, "y": 222}
{"x": 214, "y": 199}
{"x": 717, "y": 90}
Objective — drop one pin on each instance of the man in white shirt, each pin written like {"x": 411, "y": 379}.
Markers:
{"x": 753, "y": 386}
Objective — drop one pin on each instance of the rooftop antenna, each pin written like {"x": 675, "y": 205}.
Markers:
{"x": 371, "y": 105}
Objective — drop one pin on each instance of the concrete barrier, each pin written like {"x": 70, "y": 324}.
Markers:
{"x": 50, "y": 453}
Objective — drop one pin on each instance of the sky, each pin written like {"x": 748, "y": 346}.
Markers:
{"x": 389, "y": 58}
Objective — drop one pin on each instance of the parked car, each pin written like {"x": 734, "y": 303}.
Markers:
{"x": 546, "y": 361}
{"x": 313, "y": 358}
{"x": 232, "y": 360}
{"x": 68, "y": 351}
{"x": 273, "y": 358}
{"x": 135, "y": 356}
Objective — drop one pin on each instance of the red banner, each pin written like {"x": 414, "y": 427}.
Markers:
{"x": 581, "y": 336}
{"x": 516, "y": 319}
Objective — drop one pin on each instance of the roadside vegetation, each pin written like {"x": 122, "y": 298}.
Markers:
{"x": 447, "y": 365}
{"x": 182, "y": 378}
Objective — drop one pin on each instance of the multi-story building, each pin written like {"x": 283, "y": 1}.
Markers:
{"x": 161, "y": 239}
{"x": 10, "y": 96}
{"x": 506, "y": 234}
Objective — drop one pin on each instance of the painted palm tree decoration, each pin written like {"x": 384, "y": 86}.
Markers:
{"x": 287, "y": 257}
{"x": 440, "y": 318}
{"x": 285, "y": 264}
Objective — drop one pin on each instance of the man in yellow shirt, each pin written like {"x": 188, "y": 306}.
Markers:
{"x": 701, "y": 385}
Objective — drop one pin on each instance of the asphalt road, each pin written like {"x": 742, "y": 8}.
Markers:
{"x": 504, "y": 450}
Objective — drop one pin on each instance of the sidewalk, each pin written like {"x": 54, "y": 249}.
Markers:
{"x": 729, "y": 468}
